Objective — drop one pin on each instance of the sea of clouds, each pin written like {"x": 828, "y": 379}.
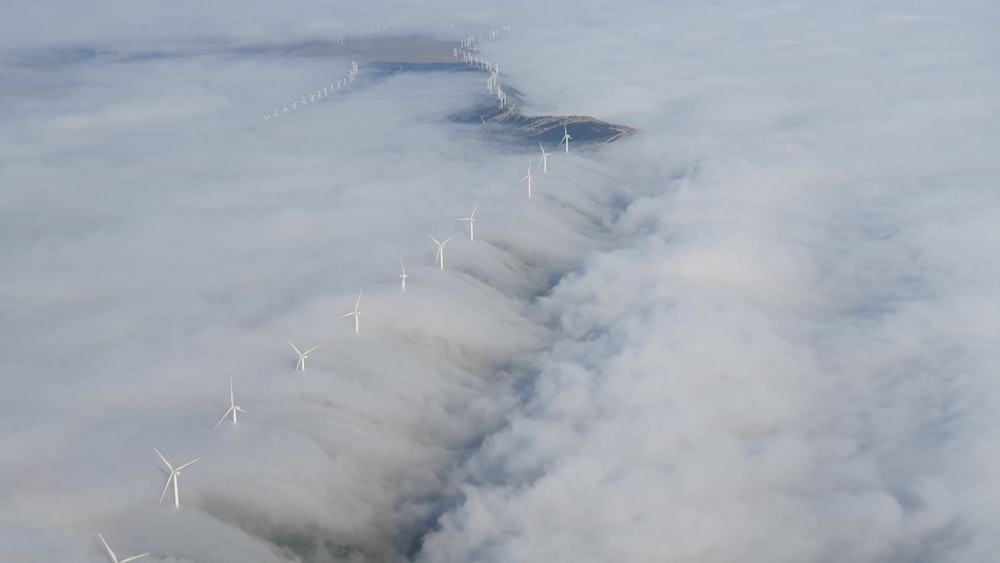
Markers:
{"x": 762, "y": 329}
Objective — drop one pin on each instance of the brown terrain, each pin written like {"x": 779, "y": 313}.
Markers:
{"x": 415, "y": 53}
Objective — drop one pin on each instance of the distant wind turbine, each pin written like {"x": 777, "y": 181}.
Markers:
{"x": 356, "y": 313}
{"x": 114, "y": 558}
{"x": 545, "y": 159}
{"x": 472, "y": 222}
{"x": 528, "y": 178}
{"x": 233, "y": 407}
{"x": 174, "y": 473}
{"x": 402, "y": 277}
{"x": 302, "y": 356}
{"x": 439, "y": 257}
{"x": 565, "y": 138}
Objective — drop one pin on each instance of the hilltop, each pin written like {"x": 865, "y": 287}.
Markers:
{"x": 421, "y": 54}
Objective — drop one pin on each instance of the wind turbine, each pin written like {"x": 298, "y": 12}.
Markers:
{"x": 439, "y": 257}
{"x": 356, "y": 313}
{"x": 472, "y": 222}
{"x": 528, "y": 178}
{"x": 565, "y": 138}
{"x": 302, "y": 356}
{"x": 402, "y": 277}
{"x": 174, "y": 473}
{"x": 114, "y": 558}
{"x": 233, "y": 407}
{"x": 545, "y": 159}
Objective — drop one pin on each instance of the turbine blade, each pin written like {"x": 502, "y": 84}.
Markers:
{"x": 435, "y": 240}
{"x": 313, "y": 348}
{"x": 294, "y": 348}
{"x": 127, "y": 559}
{"x": 108, "y": 547}
{"x": 446, "y": 240}
{"x": 358, "y": 302}
{"x": 402, "y": 266}
{"x": 473, "y": 214}
{"x": 223, "y": 418}
{"x": 345, "y": 315}
{"x": 171, "y": 467}
{"x": 165, "y": 487}
{"x": 186, "y": 464}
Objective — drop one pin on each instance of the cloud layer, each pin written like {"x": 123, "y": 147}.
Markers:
{"x": 757, "y": 330}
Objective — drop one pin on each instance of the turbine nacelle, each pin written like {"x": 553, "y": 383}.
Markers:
{"x": 356, "y": 313}
{"x": 439, "y": 257}
{"x": 566, "y": 138}
{"x": 472, "y": 221}
{"x": 528, "y": 179}
{"x": 174, "y": 473}
{"x": 233, "y": 407}
{"x": 301, "y": 365}
{"x": 545, "y": 159}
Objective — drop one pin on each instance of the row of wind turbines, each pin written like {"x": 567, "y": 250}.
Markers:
{"x": 403, "y": 276}
{"x": 315, "y": 97}
{"x": 233, "y": 410}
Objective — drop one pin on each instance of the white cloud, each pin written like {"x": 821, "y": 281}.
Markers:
{"x": 758, "y": 330}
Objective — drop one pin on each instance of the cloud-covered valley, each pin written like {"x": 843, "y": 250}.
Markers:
{"x": 760, "y": 329}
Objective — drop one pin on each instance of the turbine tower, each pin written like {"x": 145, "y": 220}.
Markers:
{"x": 402, "y": 277}
{"x": 174, "y": 473}
{"x": 565, "y": 138}
{"x": 472, "y": 222}
{"x": 439, "y": 257}
{"x": 114, "y": 558}
{"x": 302, "y": 356}
{"x": 233, "y": 407}
{"x": 545, "y": 159}
{"x": 528, "y": 178}
{"x": 356, "y": 313}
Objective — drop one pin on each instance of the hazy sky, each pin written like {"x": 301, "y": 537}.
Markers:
{"x": 760, "y": 330}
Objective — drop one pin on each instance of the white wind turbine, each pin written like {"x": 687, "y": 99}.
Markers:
{"x": 565, "y": 139}
{"x": 472, "y": 222}
{"x": 545, "y": 159}
{"x": 302, "y": 356}
{"x": 114, "y": 558}
{"x": 356, "y": 313}
{"x": 529, "y": 179}
{"x": 233, "y": 407}
{"x": 439, "y": 257}
{"x": 174, "y": 473}
{"x": 402, "y": 277}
